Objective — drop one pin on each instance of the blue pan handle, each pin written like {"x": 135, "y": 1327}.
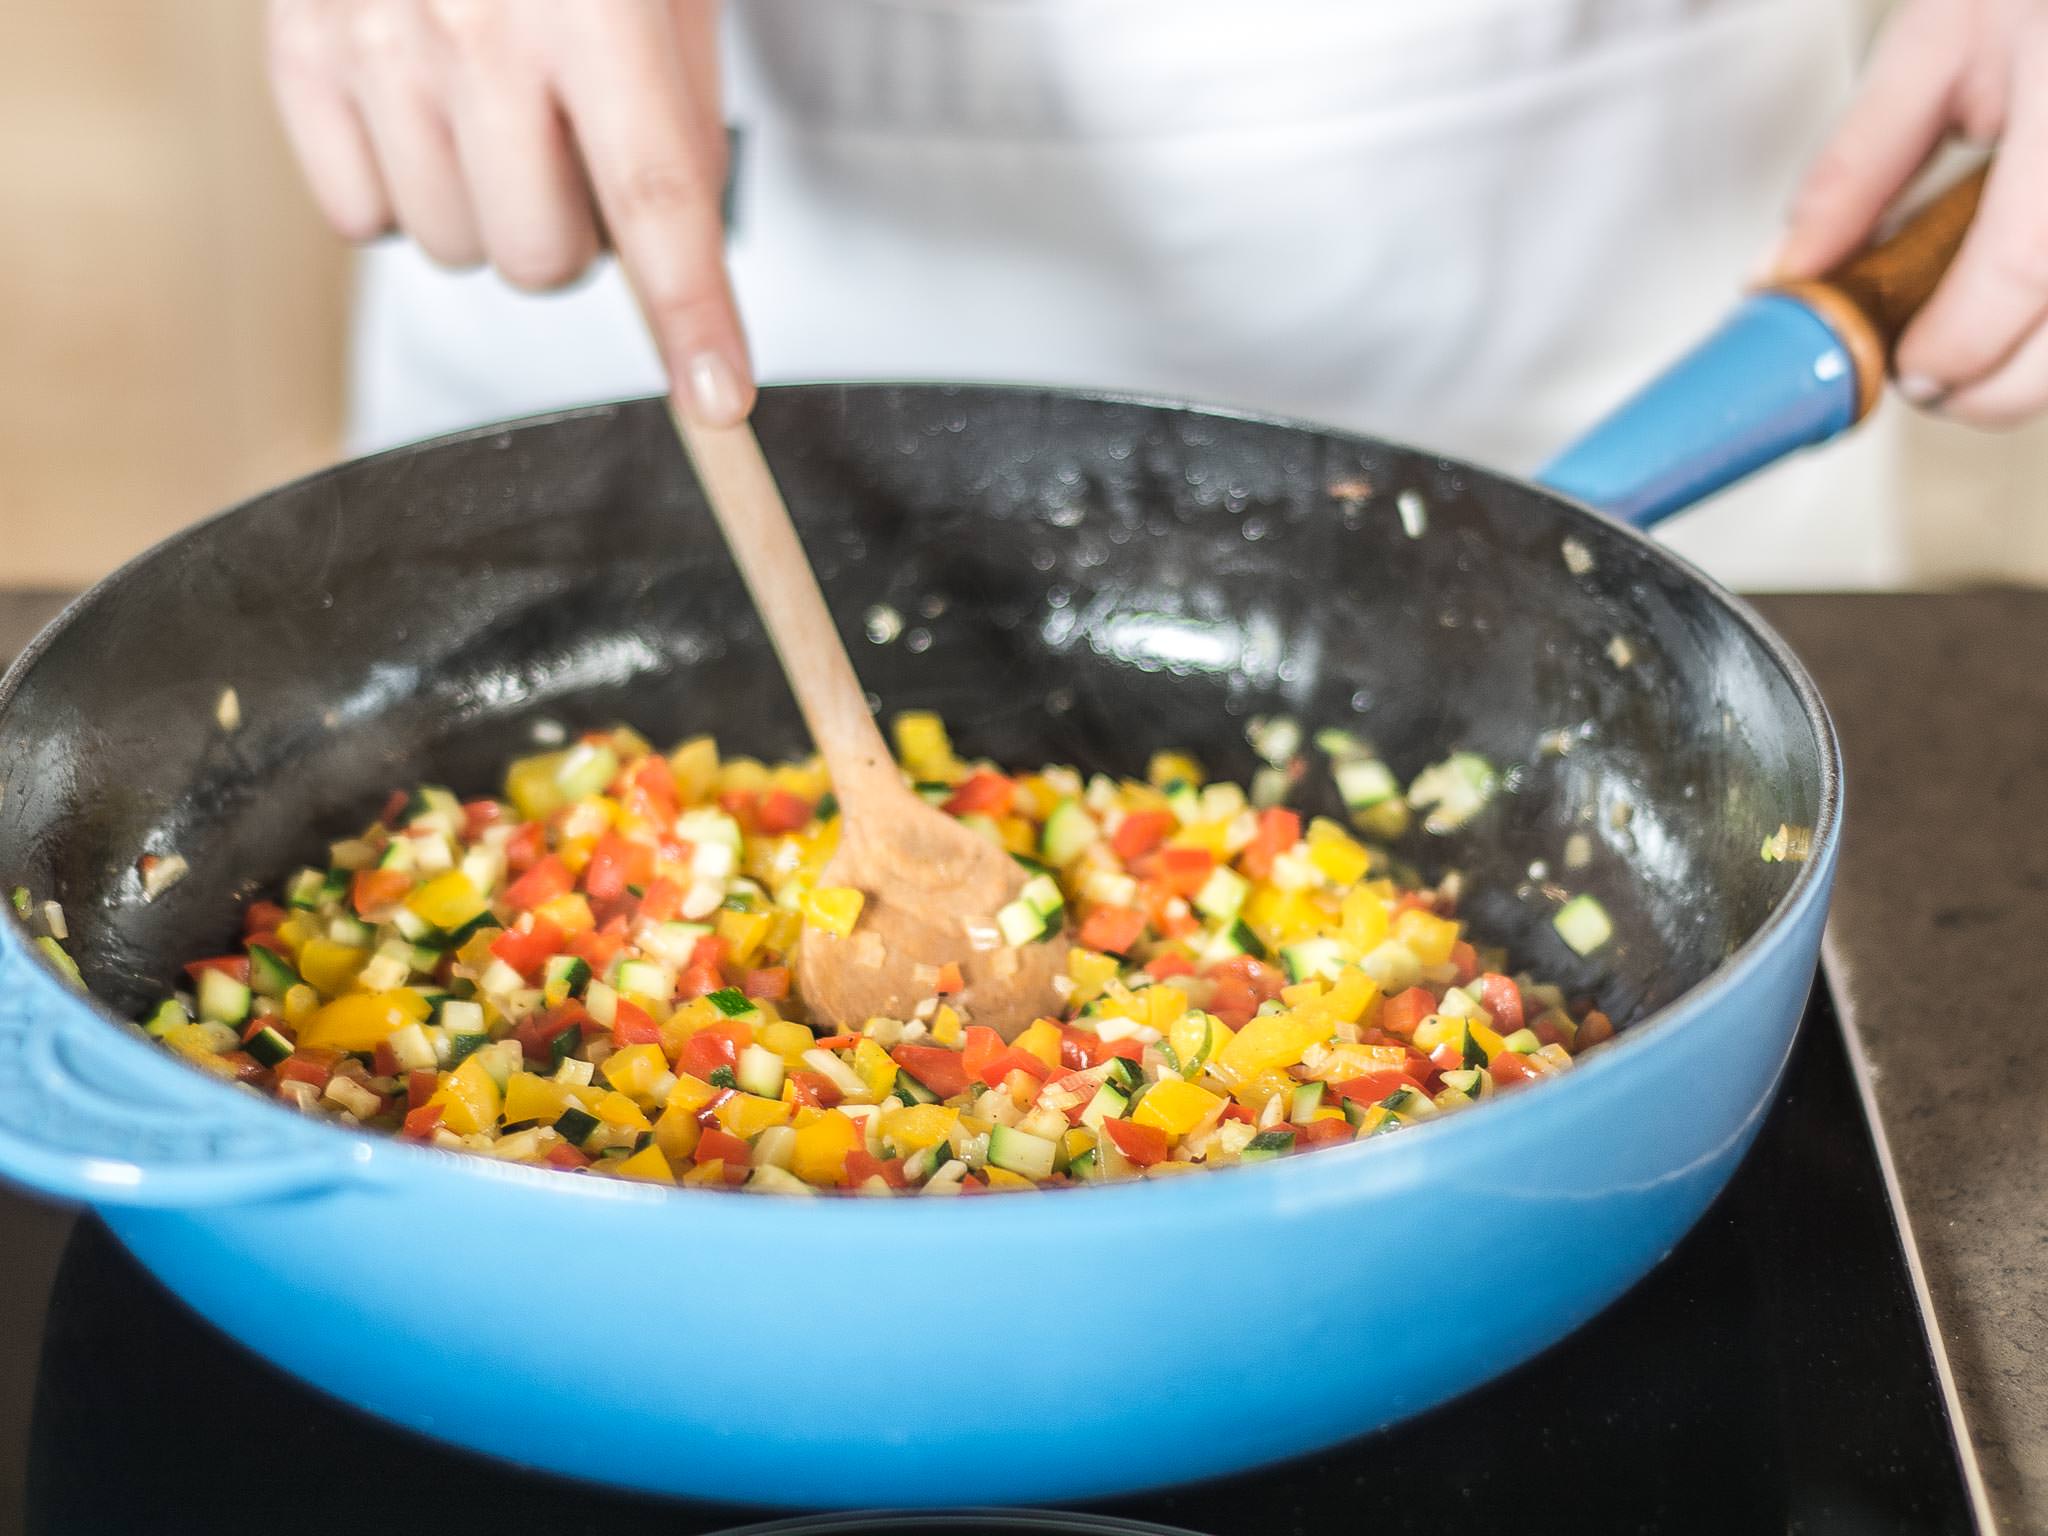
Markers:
{"x": 1791, "y": 367}
{"x": 89, "y": 1112}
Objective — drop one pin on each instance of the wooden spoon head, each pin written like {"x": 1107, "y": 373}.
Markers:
{"x": 930, "y": 885}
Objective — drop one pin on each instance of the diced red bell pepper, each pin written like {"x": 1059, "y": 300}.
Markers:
{"x": 862, "y": 1165}
{"x": 596, "y": 949}
{"x": 526, "y": 952}
{"x": 313, "y": 1064}
{"x": 949, "y": 980}
{"x": 1594, "y": 1028}
{"x": 1499, "y": 996}
{"x": 985, "y": 1056}
{"x": 1241, "y": 985}
{"x": 394, "y": 807}
{"x": 1139, "y": 833}
{"x": 939, "y": 1069}
{"x": 421, "y": 1123}
{"x": 375, "y": 889}
{"x": 982, "y": 793}
{"x": 1144, "y": 1145}
{"x": 263, "y": 917}
{"x": 739, "y": 805}
{"x": 562, "y": 1155}
{"x": 652, "y": 782}
{"x": 718, "y": 1145}
{"x": 383, "y": 1059}
{"x": 711, "y": 950}
{"x": 662, "y": 901}
{"x": 714, "y": 1046}
{"x": 1171, "y": 963}
{"x": 616, "y": 863}
{"x": 1448, "y": 1057}
{"x": 1401, "y": 1013}
{"x": 633, "y": 1025}
{"x": 1371, "y": 1087}
{"x": 778, "y": 811}
{"x": 770, "y": 983}
{"x": 1233, "y": 1110}
{"x": 813, "y": 1090}
{"x": 419, "y": 1086}
{"x": 1415, "y": 901}
{"x": 1113, "y": 930}
{"x": 1166, "y": 909}
{"x": 536, "y": 1036}
{"x": 245, "y": 1066}
{"x": 699, "y": 981}
{"x": 523, "y": 849}
{"x": 1318, "y": 1132}
{"x": 547, "y": 879}
{"x": 1186, "y": 870}
{"x": 1509, "y": 1067}
{"x": 478, "y": 817}
{"x": 1279, "y": 830}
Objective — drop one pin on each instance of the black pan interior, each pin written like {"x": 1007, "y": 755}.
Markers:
{"x": 1077, "y": 579}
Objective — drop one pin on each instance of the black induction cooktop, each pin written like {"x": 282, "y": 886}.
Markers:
{"x": 1773, "y": 1374}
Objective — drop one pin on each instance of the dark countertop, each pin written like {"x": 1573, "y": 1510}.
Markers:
{"x": 1938, "y": 951}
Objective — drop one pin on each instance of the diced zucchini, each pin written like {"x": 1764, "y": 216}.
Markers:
{"x": 397, "y": 854}
{"x": 267, "y": 1046}
{"x": 1125, "y": 1074}
{"x": 1453, "y": 791}
{"x": 1021, "y": 924}
{"x": 643, "y": 979}
{"x": 1464, "y": 1079}
{"x": 1222, "y": 894}
{"x": 170, "y": 1014}
{"x": 1068, "y": 832}
{"x": 1308, "y": 1098}
{"x": 586, "y": 769}
{"x": 760, "y": 1071}
{"x": 771, "y": 1180}
{"x": 410, "y": 925}
{"x": 1363, "y": 782}
{"x": 1474, "y": 1052}
{"x": 933, "y": 791}
{"x": 1025, "y": 862}
{"x": 1312, "y": 957}
{"x": 1042, "y": 894}
{"x": 306, "y": 890}
{"x": 223, "y": 999}
{"x": 733, "y": 1003}
{"x": 1275, "y": 740}
{"x": 1085, "y": 1166}
{"x": 564, "y": 977}
{"x": 460, "y": 1016}
{"x": 575, "y": 1125}
{"x": 344, "y": 929}
{"x": 269, "y": 976}
{"x": 1583, "y": 924}
{"x": 1108, "y": 1104}
{"x": 911, "y": 1091}
{"x": 1266, "y": 1145}
{"x": 1185, "y": 801}
{"x": 1021, "y": 1152}
{"x": 1229, "y": 941}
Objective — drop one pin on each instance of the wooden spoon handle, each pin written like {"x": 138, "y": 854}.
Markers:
{"x": 1869, "y": 300}
{"x": 743, "y": 496}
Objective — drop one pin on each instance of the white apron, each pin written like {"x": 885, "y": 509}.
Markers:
{"x": 1469, "y": 224}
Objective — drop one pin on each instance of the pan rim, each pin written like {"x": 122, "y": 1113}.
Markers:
{"x": 1629, "y": 1042}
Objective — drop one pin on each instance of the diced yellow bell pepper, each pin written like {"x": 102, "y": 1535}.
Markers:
{"x": 530, "y": 786}
{"x": 1212, "y": 837}
{"x": 649, "y": 1164}
{"x": 1430, "y": 937}
{"x": 743, "y": 933}
{"x": 1341, "y": 857}
{"x": 293, "y": 932}
{"x": 834, "y": 908}
{"x": 615, "y": 1109}
{"x": 917, "y": 1127}
{"x": 1078, "y": 1140}
{"x": 529, "y": 1096}
{"x": 1163, "y": 1007}
{"x": 712, "y": 1172}
{"x": 1301, "y": 993}
{"x": 1268, "y": 1043}
{"x": 746, "y": 775}
{"x": 1090, "y": 972}
{"x": 329, "y": 966}
{"x": 1365, "y": 920}
{"x": 1172, "y": 767}
{"x": 821, "y": 1148}
{"x": 475, "y": 952}
{"x": 569, "y": 912}
{"x": 695, "y": 765}
{"x": 468, "y": 1098}
{"x": 1349, "y": 996}
{"x": 1486, "y": 1039}
{"x": 448, "y": 901}
{"x": 690, "y": 1094}
{"x": 746, "y": 1115}
{"x": 923, "y": 746}
{"x": 1169, "y": 1168}
{"x": 633, "y": 1071}
{"x": 364, "y": 1020}
{"x": 1253, "y": 1092}
{"x": 1176, "y": 1107}
{"x": 1002, "y": 1178}
{"x": 574, "y": 852}
{"x": 946, "y": 1026}
{"x": 677, "y": 1134}
{"x": 1042, "y": 1038}
{"x": 872, "y": 1065}
{"x": 301, "y": 1002}
{"x": 787, "y": 1040}
{"x": 1018, "y": 836}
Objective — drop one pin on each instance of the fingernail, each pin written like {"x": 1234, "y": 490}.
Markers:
{"x": 1922, "y": 391}
{"x": 714, "y": 390}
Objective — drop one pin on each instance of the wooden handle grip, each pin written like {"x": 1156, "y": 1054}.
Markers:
{"x": 1871, "y": 298}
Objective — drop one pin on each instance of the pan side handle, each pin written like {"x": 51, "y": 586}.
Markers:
{"x": 1792, "y": 366}
{"x": 92, "y": 1112}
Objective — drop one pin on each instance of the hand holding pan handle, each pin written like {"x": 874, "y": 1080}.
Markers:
{"x": 1792, "y": 366}
{"x": 90, "y": 1111}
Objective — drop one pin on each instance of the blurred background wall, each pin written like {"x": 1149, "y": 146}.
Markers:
{"x": 172, "y": 312}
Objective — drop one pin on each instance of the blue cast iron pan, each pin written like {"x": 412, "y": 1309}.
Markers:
{"x": 1081, "y": 579}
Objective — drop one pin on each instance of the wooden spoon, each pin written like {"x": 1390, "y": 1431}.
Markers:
{"x": 932, "y": 886}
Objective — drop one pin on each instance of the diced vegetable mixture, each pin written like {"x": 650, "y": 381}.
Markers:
{"x": 594, "y": 972}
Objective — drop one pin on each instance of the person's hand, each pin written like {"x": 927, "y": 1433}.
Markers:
{"x": 523, "y": 133}
{"x": 1979, "y": 350}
